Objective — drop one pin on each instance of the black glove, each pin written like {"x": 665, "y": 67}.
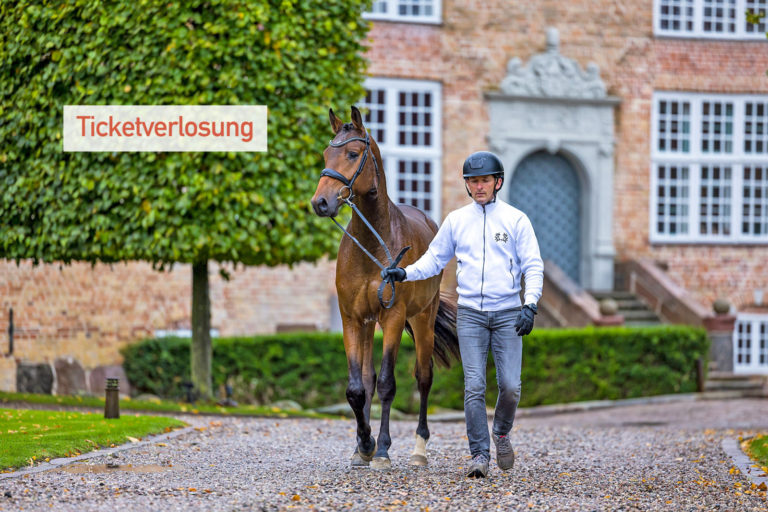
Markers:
{"x": 396, "y": 274}
{"x": 524, "y": 324}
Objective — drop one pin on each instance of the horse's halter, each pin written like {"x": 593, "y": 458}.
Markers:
{"x": 332, "y": 173}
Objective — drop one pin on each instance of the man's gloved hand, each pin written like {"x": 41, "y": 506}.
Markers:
{"x": 524, "y": 324}
{"x": 397, "y": 273}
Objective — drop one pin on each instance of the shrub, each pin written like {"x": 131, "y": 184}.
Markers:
{"x": 559, "y": 365}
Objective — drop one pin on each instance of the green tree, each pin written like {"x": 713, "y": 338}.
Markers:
{"x": 298, "y": 57}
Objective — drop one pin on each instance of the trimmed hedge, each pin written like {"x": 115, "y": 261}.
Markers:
{"x": 559, "y": 365}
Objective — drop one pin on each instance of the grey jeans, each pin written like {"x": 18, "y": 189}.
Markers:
{"x": 478, "y": 331}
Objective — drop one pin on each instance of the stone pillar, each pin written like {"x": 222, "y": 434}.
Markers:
{"x": 720, "y": 328}
{"x": 7, "y": 373}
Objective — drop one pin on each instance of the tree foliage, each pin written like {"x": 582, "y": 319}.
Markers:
{"x": 297, "y": 57}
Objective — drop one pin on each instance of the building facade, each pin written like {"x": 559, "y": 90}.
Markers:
{"x": 627, "y": 130}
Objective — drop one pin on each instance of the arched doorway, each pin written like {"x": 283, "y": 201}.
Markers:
{"x": 546, "y": 188}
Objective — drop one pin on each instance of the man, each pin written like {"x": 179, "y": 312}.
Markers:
{"x": 494, "y": 244}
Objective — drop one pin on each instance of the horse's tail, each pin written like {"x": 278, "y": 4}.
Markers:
{"x": 446, "y": 340}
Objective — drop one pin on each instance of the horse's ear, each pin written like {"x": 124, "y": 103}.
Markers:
{"x": 357, "y": 119}
{"x": 336, "y": 123}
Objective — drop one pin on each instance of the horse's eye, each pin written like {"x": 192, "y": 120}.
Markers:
{"x": 352, "y": 155}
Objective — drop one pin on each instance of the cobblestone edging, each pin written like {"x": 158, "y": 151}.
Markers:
{"x": 741, "y": 460}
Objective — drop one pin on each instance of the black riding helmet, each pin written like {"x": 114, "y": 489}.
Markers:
{"x": 483, "y": 163}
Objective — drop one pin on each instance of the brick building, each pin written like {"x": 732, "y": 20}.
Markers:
{"x": 630, "y": 131}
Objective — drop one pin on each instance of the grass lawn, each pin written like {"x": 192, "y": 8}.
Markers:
{"x": 31, "y": 436}
{"x": 757, "y": 448}
{"x": 157, "y": 406}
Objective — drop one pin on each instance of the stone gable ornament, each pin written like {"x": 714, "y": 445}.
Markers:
{"x": 550, "y": 74}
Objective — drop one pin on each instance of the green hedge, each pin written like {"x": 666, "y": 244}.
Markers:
{"x": 559, "y": 365}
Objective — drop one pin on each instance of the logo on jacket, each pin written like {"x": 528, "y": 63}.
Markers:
{"x": 501, "y": 237}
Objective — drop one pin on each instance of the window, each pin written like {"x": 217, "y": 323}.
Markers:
{"x": 722, "y": 19}
{"x": 404, "y": 118}
{"x": 709, "y": 176}
{"x": 750, "y": 343}
{"x": 418, "y": 11}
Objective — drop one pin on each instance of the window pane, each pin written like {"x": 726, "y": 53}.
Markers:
{"x": 676, "y": 15}
{"x": 674, "y": 126}
{"x": 715, "y": 201}
{"x": 719, "y": 16}
{"x": 672, "y": 200}
{"x": 375, "y": 110}
{"x": 717, "y": 127}
{"x": 415, "y": 126}
{"x": 414, "y": 179}
{"x": 755, "y": 200}
{"x": 756, "y": 7}
{"x": 756, "y": 127}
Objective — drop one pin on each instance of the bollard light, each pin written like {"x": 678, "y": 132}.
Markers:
{"x": 112, "y": 401}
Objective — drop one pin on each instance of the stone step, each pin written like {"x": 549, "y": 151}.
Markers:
{"x": 642, "y": 315}
{"x": 615, "y": 295}
{"x": 744, "y": 385}
{"x": 715, "y": 375}
{"x": 640, "y": 323}
{"x": 631, "y": 304}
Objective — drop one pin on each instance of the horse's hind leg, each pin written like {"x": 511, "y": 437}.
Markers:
{"x": 356, "y": 339}
{"x": 424, "y": 338}
{"x": 393, "y": 331}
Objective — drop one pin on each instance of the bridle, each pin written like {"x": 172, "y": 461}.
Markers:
{"x": 348, "y": 183}
{"x": 332, "y": 173}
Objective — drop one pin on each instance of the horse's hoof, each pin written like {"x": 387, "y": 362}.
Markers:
{"x": 418, "y": 460}
{"x": 367, "y": 456}
{"x": 381, "y": 464}
{"x": 357, "y": 461}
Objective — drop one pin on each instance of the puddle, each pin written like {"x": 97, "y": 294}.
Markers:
{"x": 109, "y": 468}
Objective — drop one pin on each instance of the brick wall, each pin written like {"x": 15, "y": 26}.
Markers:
{"x": 90, "y": 312}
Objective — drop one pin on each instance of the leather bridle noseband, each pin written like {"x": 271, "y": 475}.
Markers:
{"x": 348, "y": 183}
{"x": 332, "y": 173}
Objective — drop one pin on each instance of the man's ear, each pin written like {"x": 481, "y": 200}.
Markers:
{"x": 499, "y": 183}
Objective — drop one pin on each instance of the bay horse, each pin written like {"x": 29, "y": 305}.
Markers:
{"x": 353, "y": 174}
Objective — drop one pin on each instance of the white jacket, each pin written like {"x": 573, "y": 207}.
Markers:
{"x": 493, "y": 245}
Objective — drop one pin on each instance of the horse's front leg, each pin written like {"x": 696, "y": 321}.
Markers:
{"x": 392, "y": 325}
{"x": 358, "y": 340}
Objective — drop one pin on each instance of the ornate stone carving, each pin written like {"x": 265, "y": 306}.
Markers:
{"x": 551, "y": 74}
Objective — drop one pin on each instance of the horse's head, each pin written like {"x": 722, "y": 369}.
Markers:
{"x": 350, "y": 166}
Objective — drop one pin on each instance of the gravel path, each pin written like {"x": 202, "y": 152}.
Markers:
{"x": 659, "y": 457}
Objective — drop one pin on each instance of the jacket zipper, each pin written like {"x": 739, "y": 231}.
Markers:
{"x": 482, "y": 272}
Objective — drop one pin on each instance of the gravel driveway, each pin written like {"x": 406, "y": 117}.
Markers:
{"x": 658, "y": 457}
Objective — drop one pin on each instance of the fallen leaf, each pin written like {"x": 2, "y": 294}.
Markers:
{"x": 296, "y": 497}
{"x": 161, "y": 444}
{"x": 132, "y": 439}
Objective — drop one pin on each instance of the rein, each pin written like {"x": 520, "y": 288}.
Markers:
{"x": 331, "y": 173}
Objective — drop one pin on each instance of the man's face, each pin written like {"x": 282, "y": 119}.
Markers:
{"x": 481, "y": 188}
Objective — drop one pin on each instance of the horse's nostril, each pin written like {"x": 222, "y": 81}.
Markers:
{"x": 321, "y": 206}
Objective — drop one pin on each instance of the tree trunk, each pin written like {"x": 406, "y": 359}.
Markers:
{"x": 201, "y": 353}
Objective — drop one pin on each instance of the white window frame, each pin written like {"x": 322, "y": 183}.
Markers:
{"x": 694, "y": 159}
{"x": 754, "y": 366}
{"x": 393, "y": 11}
{"x": 698, "y": 24}
{"x": 391, "y": 150}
